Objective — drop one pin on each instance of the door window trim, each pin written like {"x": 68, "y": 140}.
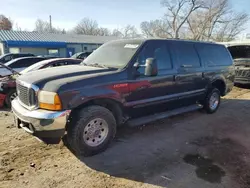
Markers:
{"x": 178, "y": 63}
{"x": 161, "y": 72}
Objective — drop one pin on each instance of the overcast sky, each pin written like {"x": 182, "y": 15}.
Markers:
{"x": 108, "y": 13}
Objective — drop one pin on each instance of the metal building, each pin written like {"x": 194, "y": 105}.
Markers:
{"x": 63, "y": 45}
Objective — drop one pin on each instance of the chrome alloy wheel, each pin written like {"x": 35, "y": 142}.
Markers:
{"x": 95, "y": 132}
{"x": 214, "y": 101}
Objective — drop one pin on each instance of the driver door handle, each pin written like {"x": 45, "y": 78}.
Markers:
{"x": 176, "y": 77}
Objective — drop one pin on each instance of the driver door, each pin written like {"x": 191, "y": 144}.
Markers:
{"x": 153, "y": 89}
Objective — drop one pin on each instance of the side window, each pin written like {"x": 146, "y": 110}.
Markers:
{"x": 24, "y": 63}
{"x": 74, "y": 62}
{"x": 214, "y": 55}
{"x": 157, "y": 50}
{"x": 186, "y": 54}
{"x": 83, "y": 56}
{"x": 59, "y": 63}
{"x": 7, "y": 58}
{"x": 18, "y": 64}
{"x": 16, "y": 56}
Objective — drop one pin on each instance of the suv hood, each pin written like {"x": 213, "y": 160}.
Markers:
{"x": 52, "y": 79}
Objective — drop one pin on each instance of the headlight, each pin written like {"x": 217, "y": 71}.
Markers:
{"x": 49, "y": 100}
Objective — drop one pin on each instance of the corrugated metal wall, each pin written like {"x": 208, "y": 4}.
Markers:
{"x": 1, "y": 48}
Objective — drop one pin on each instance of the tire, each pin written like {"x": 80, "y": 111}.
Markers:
{"x": 212, "y": 101}
{"x": 91, "y": 131}
{"x": 9, "y": 97}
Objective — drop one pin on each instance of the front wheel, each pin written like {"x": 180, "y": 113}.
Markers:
{"x": 92, "y": 130}
{"x": 212, "y": 101}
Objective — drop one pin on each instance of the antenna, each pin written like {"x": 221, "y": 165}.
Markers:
{"x": 50, "y": 23}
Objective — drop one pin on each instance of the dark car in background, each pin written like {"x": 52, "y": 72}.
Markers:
{"x": 10, "y": 56}
{"x": 81, "y": 55}
{"x": 19, "y": 64}
{"x": 8, "y": 83}
{"x": 241, "y": 57}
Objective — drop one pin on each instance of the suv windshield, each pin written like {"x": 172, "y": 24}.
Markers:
{"x": 115, "y": 54}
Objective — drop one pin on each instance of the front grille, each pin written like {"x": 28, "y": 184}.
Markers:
{"x": 26, "y": 95}
{"x": 242, "y": 73}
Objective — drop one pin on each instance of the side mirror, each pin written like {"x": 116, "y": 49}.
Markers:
{"x": 151, "y": 68}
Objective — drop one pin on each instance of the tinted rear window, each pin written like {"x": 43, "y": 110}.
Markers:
{"x": 186, "y": 54}
{"x": 214, "y": 55}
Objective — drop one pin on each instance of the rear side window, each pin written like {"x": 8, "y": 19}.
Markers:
{"x": 7, "y": 58}
{"x": 73, "y": 62}
{"x": 16, "y": 56}
{"x": 58, "y": 63}
{"x": 186, "y": 54}
{"x": 214, "y": 55}
{"x": 24, "y": 62}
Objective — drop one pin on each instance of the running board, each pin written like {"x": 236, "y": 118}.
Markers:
{"x": 151, "y": 118}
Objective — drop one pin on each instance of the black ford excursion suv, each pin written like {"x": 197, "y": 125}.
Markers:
{"x": 128, "y": 82}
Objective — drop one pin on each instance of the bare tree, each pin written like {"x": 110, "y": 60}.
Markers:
{"x": 155, "y": 28}
{"x": 44, "y": 27}
{"x": 177, "y": 14}
{"x": 103, "y": 31}
{"x": 5, "y": 23}
{"x": 87, "y": 27}
{"x": 128, "y": 31}
{"x": 198, "y": 20}
{"x": 231, "y": 27}
{"x": 117, "y": 32}
{"x": 217, "y": 22}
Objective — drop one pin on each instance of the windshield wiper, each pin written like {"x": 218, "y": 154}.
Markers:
{"x": 10, "y": 69}
{"x": 97, "y": 65}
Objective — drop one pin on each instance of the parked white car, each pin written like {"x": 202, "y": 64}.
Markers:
{"x": 19, "y": 64}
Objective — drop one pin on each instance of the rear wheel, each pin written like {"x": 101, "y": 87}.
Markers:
{"x": 212, "y": 101}
{"x": 11, "y": 95}
{"x": 92, "y": 130}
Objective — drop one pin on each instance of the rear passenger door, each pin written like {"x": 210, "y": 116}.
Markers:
{"x": 218, "y": 63}
{"x": 190, "y": 79}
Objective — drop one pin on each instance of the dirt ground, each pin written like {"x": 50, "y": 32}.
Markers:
{"x": 192, "y": 150}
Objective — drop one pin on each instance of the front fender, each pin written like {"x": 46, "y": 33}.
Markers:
{"x": 217, "y": 77}
{"x": 78, "y": 98}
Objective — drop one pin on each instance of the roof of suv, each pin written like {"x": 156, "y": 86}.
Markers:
{"x": 141, "y": 40}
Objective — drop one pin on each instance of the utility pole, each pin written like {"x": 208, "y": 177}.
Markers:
{"x": 50, "y": 23}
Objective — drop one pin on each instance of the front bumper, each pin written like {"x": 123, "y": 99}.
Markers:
{"x": 44, "y": 124}
{"x": 242, "y": 80}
